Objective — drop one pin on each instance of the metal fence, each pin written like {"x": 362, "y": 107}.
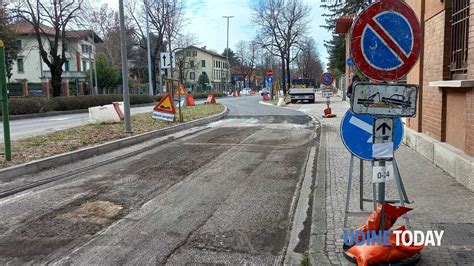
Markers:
{"x": 459, "y": 37}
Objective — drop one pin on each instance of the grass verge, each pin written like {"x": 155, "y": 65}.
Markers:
{"x": 39, "y": 147}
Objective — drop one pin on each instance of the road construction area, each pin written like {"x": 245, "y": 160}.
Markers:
{"x": 221, "y": 193}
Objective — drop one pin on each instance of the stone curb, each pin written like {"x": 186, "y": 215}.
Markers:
{"x": 65, "y": 158}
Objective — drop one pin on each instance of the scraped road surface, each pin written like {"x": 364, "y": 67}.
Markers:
{"x": 222, "y": 193}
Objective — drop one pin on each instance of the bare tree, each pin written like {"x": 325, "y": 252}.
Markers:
{"x": 166, "y": 18}
{"x": 106, "y": 23}
{"x": 247, "y": 53}
{"x": 50, "y": 21}
{"x": 308, "y": 61}
{"x": 283, "y": 24}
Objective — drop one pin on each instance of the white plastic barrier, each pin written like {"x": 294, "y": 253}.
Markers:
{"x": 105, "y": 114}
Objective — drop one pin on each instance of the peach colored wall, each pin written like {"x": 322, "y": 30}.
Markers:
{"x": 433, "y": 7}
{"x": 456, "y": 119}
{"x": 415, "y": 76}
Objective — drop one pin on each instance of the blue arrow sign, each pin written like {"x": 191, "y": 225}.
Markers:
{"x": 357, "y": 131}
{"x": 269, "y": 80}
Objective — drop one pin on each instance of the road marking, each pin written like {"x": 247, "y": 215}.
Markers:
{"x": 362, "y": 125}
{"x": 60, "y": 119}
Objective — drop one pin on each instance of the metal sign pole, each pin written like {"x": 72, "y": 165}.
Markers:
{"x": 4, "y": 100}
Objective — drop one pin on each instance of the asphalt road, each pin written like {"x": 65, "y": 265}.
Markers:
{"x": 222, "y": 193}
{"x": 25, "y": 128}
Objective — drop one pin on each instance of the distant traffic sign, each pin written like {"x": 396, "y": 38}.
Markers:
{"x": 385, "y": 41}
{"x": 384, "y": 99}
{"x": 327, "y": 79}
{"x": 269, "y": 80}
{"x": 357, "y": 134}
{"x": 350, "y": 62}
{"x": 166, "y": 61}
{"x": 269, "y": 73}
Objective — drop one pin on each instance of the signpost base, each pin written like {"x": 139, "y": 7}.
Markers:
{"x": 377, "y": 194}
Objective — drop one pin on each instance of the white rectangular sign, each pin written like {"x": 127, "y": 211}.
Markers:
{"x": 163, "y": 116}
{"x": 328, "y": 93}
{"x": 166, "y": 61}
{"x": 382, "y": 173}
{"x": 384, "y": 99}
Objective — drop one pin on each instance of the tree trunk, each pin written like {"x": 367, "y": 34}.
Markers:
{"x": 153, "y": 74}
{"x": 283, "y": 73}
{"x": 56, "y": 81}
{"x": 288, "y": 70}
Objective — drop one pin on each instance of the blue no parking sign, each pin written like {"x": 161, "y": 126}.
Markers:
{"x": 357, "y": 131}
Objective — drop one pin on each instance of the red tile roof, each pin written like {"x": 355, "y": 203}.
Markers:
{"x": 344, "y": 23}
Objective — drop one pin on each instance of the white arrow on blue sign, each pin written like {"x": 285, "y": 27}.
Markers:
{"x": 357, "y": 134}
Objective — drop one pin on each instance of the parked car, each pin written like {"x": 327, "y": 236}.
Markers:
{"x": 265, "y": 91}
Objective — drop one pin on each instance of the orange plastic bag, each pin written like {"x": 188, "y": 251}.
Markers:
{"x": 370, "y": 254}
{"x": 391, "y": 214}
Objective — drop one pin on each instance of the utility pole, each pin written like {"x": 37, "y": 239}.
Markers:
{"x": 4, "y": 103}
{"x": 148, "y": 47}
{"x": 126, "y": 96}
{"x": 227, "y": 54}
{"x": 96, "y": 88}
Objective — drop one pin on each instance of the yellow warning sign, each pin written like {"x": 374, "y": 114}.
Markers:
{"x": 181, "y": 90}
{"x": 165, "y": 105}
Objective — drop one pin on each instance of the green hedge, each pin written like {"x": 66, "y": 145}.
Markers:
{"x": 32, "y": 105}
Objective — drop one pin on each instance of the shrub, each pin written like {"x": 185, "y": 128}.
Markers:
{"x": 31, "y": 105}
{"x": 28, "y": 105}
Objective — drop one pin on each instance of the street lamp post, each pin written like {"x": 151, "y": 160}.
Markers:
{"x": 126, "y": 96}
{"x": 148, "y": 46}
{"x": 227, "y": 54}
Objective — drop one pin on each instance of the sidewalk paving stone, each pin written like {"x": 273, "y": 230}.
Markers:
{"x": 440, "y": 202}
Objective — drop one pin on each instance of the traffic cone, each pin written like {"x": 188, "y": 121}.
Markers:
{"x": 190, "y": 100}
{"x": 211, "y": 99}
{"x": 328, "y": 113}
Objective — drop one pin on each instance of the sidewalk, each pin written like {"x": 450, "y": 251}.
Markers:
{"x": 440, "y": 202}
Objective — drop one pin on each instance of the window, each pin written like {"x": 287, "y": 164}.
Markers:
{"x": 188, "y": 53}
{"x": 191, "y": 63}
{"x": 195, "y": 53}
{"x": 18, "y": 44}
{"x": 84, "y": 65}
{"x": 203, "y": 63}
{"x": 192, "y": 76}
{"x": 20, "y": 63}
{"x": 86, "y": 48}
{"x": 459, "y": 38}
{"x": 66, "y": 66}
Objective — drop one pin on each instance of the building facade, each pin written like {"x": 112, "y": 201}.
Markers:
{"x": 29, "y": 67}
{"x": 443, "y": 130}
{"x": 194, "y": 61}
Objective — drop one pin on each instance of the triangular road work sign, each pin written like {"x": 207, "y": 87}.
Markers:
{"x": 181, "y": 90}
{"x": 165, "y": 105}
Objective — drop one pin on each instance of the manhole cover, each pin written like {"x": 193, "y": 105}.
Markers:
{"x": 456, "y": 234}
{"x": 97, "y": 212}
{"x": 465, "y": 257}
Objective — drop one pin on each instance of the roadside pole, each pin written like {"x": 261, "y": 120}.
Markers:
{"x": 148, "y": 48}
{"x": 126, "y": 95}
{"x": 4, "y": 100}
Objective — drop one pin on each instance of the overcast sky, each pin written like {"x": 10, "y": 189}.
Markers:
{"x": 204, "y": 19}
